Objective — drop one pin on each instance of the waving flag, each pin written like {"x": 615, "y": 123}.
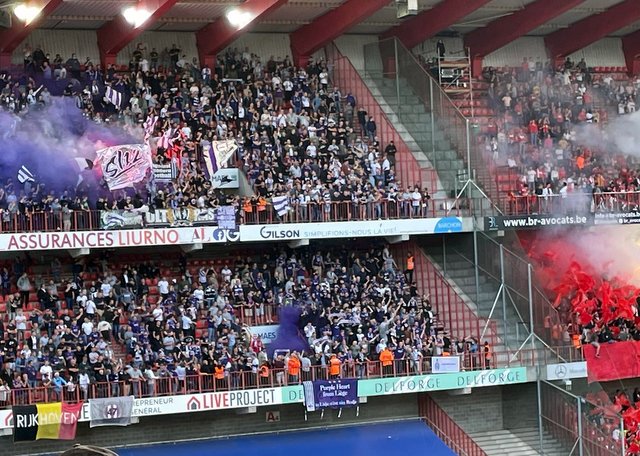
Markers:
{"x": 280, "y": 204}
{"x": 112, "y": 96}
{"x": 123, "y": 166}
{"x": 25, "y": 175}
{"x": 149, "y": 125}
{"x": 113, "y": 411}
{"x": 216, "y": 154}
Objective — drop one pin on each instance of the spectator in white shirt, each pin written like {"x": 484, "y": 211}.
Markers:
{"x": 163, "y": 287}
{"x": 46, "y": 371}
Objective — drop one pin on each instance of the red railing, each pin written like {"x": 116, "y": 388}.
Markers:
{"x": 446, "y": 428}
{"x": 347, "y": 211}
{"x": 205, "y": 383}
{"x": 407, "y": 167}
{"x": 298, "y": 213}
{"x": 573, "y": 203}
{"x": 456, "y": 315}
{"x": 560, "y": 419}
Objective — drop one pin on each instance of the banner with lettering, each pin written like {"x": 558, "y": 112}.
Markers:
{"x": 111, "y": 411}
{"x": 25, "y": 423}
{"x": 165, "y": 173}
{"x": 69, "y": 421}
{"x": 226, "y": 217}
{"x": 331, "y": 394}
{"x": 52, "y": 421}
{"x": 125, "y": 165}
{"x": 182, "y": 216}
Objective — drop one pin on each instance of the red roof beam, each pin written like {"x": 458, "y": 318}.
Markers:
{"x": 217, "y": 35}
{"x": 428, "y": 23}
{"x": 485, "y": 40}
{"x": 591, "y": 29}
{"x": 117, "y": 33}
{"x": 326, "y": 28}
{"x": 11, "y": 38}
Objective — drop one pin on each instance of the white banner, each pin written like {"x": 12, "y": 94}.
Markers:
{"x": 182, "y": 216}
{"x": 226, "y": 178}
{"x": 123, "y": 166}
{"x": 223, "y": 151}
{"x": 115, "y": 239}
{"x": 566, "y": 371}
{"x": 445, "y": 364}
{"x": 293, "y": 231}
{"x": 267, "y": 333}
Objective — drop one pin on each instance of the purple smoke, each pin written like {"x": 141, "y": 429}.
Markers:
{"x": 47, "y": 140}
{"x": 289, "y": 334}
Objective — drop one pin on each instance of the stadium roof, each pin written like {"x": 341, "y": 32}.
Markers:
{"x": 192, "y": 15}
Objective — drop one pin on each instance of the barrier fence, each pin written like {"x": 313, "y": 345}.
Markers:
{"x": 572, "y": 203}
{"x": 240, "y": 380}
{"x": 570, "y": 420}
{"x": 446, "y": 428}
{"x": 343, "y": 211}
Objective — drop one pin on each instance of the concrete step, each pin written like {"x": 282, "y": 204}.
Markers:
{"x": 521, "y": 442}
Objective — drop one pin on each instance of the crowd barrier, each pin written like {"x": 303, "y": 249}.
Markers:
{"x": 241, "y": 380}
{"x": 446, "y": 428}
{"x": 44, "y": 221}
{"x": 576, "y": 203}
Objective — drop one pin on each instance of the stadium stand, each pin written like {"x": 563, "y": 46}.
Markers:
{"x": 531, "y": 137}
{"x": 298, "y": 137}
{"x": 158, "y": 328}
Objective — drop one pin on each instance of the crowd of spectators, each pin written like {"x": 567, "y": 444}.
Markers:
{"x": 545, "y": 129}
{"x": 188, "y": 320}
{"x": 297, "y": 134}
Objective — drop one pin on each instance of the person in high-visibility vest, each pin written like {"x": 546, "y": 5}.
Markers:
{"x": 264, "y": 374}
{"x": 247, "y": 208}
{"x": 488, "y": 355}
{"x": 410, "y": 267}
{"x": 386, "y": 359}
{"x": 293, "y": 365}
{"x": 334, "y": 367}
{"x": 218, "y": 373}
{"x": 261, "y": 208}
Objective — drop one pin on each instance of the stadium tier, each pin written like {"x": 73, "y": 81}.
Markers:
{"x": 412, "y": 221}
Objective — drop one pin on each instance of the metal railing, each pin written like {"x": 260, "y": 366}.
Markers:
{"x": 567, "y": 418}
{"x": 170, "y": 384}
{"x": 46, "y": 221}
{"x": 235, "y": 380}
{"x": 392, "y": 62}
{"x": 572, "y": 203}
{"x": 446, "y": 428}
{"x": 450, "y": 308}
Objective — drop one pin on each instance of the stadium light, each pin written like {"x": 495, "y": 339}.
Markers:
{"x": 239, "y": 19}
{"x": 26, "y": 13}
{"x": 136, "y": 16}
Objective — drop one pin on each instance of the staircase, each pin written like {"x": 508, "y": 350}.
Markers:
{"x": 453, "y": 312}
{"x": 460, "y": 272}
{"x": 521, "y": 442}
{"x": 414, "y": 123}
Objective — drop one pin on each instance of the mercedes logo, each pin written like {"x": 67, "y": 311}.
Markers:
{"x": 561, "y": 371}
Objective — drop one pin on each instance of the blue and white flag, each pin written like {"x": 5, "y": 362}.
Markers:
{"x": 149, "y": 125}
{"x": 112, "y": 96}
{"x": 111, "y": 411}
{"x": 24, "y": 175}
{"x": 280, "y": 204}
{"x": 309, "y": 397}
